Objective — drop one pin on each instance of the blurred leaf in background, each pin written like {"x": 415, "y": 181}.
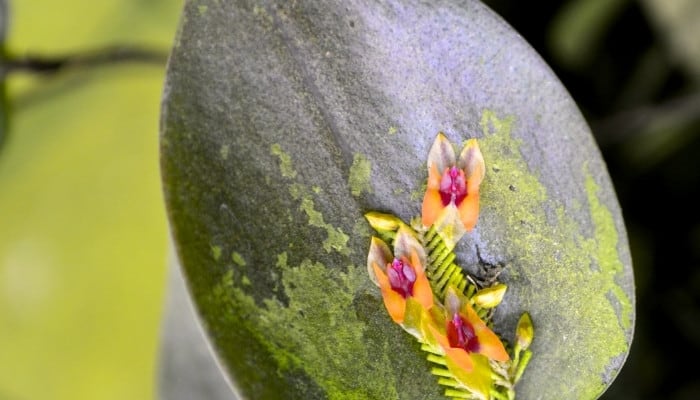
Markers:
{"x": 83, "y": 233}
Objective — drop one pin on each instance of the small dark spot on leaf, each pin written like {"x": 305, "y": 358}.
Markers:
{"x": 495, "y": 169}
{"x": 513, "y": 188}
{"x": 352, "y": 23}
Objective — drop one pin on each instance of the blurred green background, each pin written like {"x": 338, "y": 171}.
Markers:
{"x": 83, "y": 234}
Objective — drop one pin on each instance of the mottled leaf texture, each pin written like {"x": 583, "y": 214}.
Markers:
{"x": 283, "y": 123}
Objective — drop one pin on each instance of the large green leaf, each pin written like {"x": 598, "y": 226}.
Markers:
{"x": 284, "y": 123}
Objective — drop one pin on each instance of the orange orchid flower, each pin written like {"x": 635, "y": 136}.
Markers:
{"x": 466, "y": 335}
{"x": 452, "y": 197}
{"x": 401, "y": 276}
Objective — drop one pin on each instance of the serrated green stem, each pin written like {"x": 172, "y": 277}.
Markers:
{"x": 458, "y": 394}
{"x": 430, "y": 349}
{"x": 437, "y": 359}
{"x": 442, "y": 273}
{"x": 499, "y": 396}
{"x": 449, "y": 382}
{"x": 442, "y": 372}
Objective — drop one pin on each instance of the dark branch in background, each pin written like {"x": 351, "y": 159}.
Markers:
{"x": 52, "y": 65}
{"x": 105, "y": 56}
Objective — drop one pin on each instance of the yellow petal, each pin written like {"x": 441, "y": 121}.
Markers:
{"x": 440, "y": 338}
{"x": 478, "y": 380}
{"x": 490, "y": 297}
{"x": 416, "y": 321}
{"x": 449, "y": 226}
{"x": 524, "y": 332}
{"x": 382, "y": 222}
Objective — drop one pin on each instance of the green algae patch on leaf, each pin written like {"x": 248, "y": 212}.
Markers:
{"x": 296, "y": 334}
{"x": 360, "y": 172}
{"x": 238, "y": 259}
{"x": 303, "y": 95}
{"x": 564, "y": 276}
{"x": 286, "y": 167}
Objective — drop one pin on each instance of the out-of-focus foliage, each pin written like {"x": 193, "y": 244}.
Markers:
{"x": 3, "y": 104}
{"x": 82, "y": 227}
{"x": 678, "y": 26}
{"x": 636, "y": 78}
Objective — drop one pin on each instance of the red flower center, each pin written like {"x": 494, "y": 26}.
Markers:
{"x": 460, "y": 333}
{"x": 453, "y": 186}
{"x": 401, "y": 277}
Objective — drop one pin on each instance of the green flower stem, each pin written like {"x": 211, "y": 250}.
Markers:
{"x": 437, "y": 359}
{"x": 527, "y": 354}
{"x": 500, "y": 396}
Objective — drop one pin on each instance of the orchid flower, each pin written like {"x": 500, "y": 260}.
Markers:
{"x": 451, "y": 199}
{"x": 468, "y": 345}
{"x": 401, "y": 278}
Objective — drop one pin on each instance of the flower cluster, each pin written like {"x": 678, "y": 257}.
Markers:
{"x": 430, "y": 296}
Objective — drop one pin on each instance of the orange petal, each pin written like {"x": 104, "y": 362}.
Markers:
{"x": 461, "y": 358}
{"x": 422, "y": 291}
{"x": 471, "y": 316}
{"x": 416, "y": 261}
{"x": 432, "y": 207}
{"x": 382, "y": 279}
{"x": 490, "y": 344}
{"x": 469, "y": 210}
{"x": 458, "y": 356}
{"x": 395, "y": 303}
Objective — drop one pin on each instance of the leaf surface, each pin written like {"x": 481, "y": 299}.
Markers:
{"x": 282, "y": 124}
